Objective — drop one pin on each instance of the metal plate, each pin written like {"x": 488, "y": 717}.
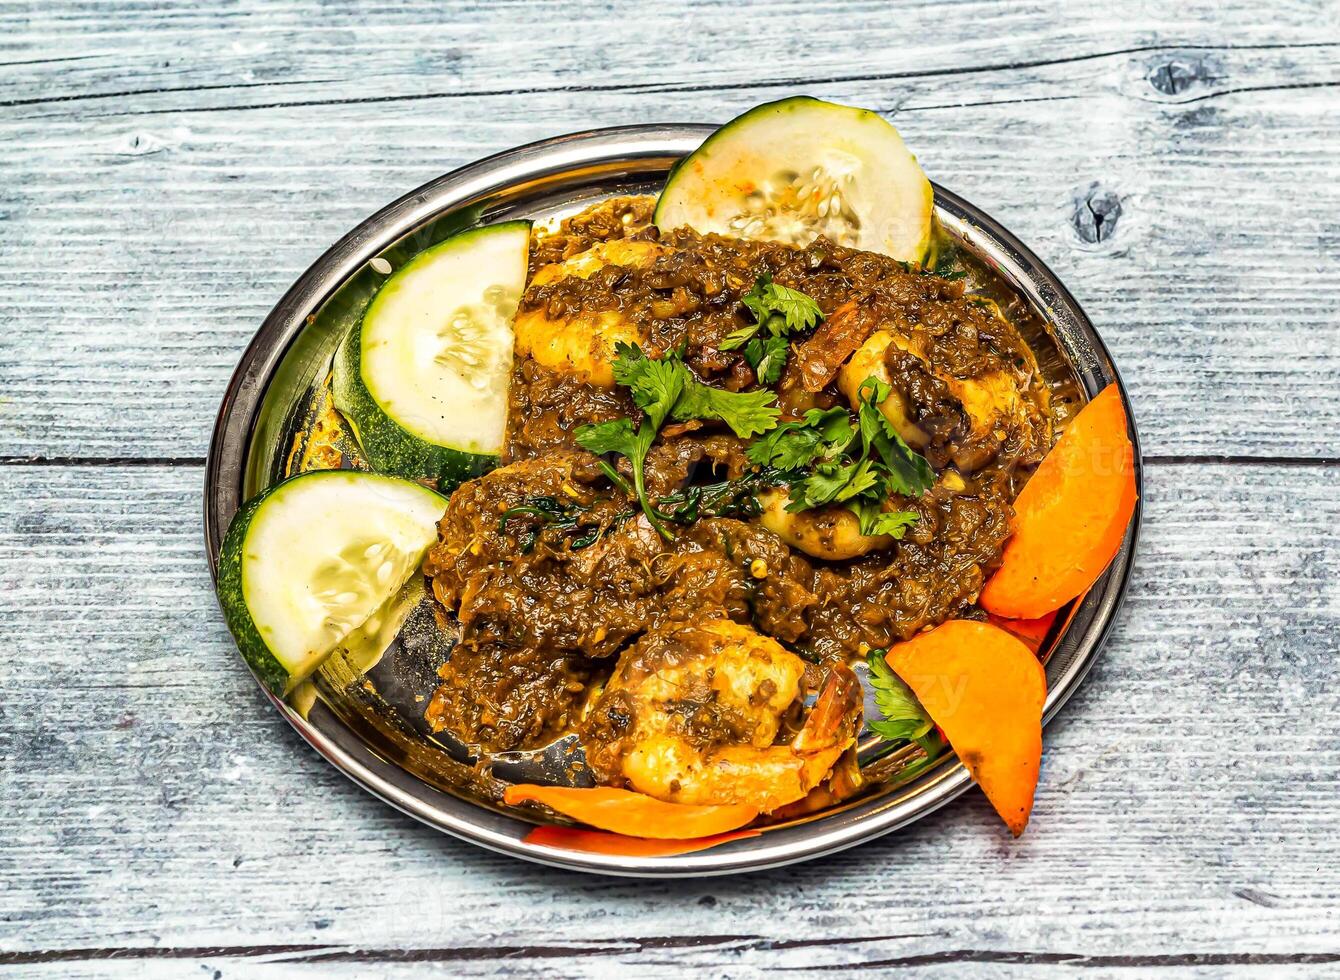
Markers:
{"x": 390, "y": 753}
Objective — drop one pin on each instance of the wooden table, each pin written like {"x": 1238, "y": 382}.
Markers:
{"x": 166, "y": 170}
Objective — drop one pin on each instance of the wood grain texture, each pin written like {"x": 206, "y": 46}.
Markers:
{"x": 156, "y": 802}
{"x": 174, "y": 169}
{"x": 169, "y": 168}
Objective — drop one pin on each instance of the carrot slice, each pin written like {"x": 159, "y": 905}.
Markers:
{"x": 633, "y": 814}
{"x": 599, "y": 842}
{"x": 1031, "y": 631}
{"x": 1071, "y": 517}
{"x": 985, "y": 689}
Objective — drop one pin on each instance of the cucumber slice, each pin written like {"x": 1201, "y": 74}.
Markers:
{"x": 423, "y": 377}
{"x": 791, "y": 170}
{"x": 308, "y": 561}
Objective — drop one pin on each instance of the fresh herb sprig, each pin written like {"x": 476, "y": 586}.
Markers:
{"x": 727, "y": 498}
{"x": 903, "y": 718}
{"x": 832, "y": 461}
{"x": 779, "y": 311}
{"x": 550, "y": 512}
{"x": 665, "y": 389}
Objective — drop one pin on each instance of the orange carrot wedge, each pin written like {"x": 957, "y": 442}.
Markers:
{"x": 1071, "y": 517}
{"x": 985, "y": 689}
{"x": 1031, "y": 631}
{"x": 633, "y": 814}
{"x": 599, "y": 842}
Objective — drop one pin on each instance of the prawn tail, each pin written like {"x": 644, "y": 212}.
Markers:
{"x": 835, "y": 716}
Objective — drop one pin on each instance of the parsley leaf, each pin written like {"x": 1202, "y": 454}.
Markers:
{"x": 779, "y": 311}
{"x": 903, "y": 717}
{"x": 665, "y": 389}
{"x": 767, "y": 356}
{"x": 748, "y": 413}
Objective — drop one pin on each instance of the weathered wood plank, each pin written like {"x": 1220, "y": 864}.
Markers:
{"x": 139, "y": 252}
{"x": 154, "y": 799}
{"x": 168, "y": 170}
{"x": 149, "y": 56}
{"x": 739, "y": 961}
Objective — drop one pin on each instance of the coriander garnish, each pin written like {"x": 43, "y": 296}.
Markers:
{"x": 779, "y": 311}
{"x": 664, "y": 389}
{"x": 904, "y": 719}
{"x": 829, "y": 465}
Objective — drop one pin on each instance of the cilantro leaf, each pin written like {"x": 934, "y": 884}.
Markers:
{"x": 862, "y": 478}
{"x": 894, "y": 522}
{"x": 799, "y": 311}
{"x": 616, "y": 436}
{"x": 821, "y": 486}
{"x": 823, "y": 467}
{"x": 834, "y": 425}
{"x": 793, "y": 445}
{"x": 787, "y": 447}
{"x": 756, "y": 300}
{"x": 907, "y": 471}
{"x": 738, "y": 338}
{"x": 903, "y": 717}
{"x": 664, "y": 388}
{"x": 619, "y": 436}
{"x": 767, "y": 356}
{"x": 654, "y": 385}
{"x": 748, "y": 413}
{"x": 778, "y": 309}
{"x": 874, "y": 520}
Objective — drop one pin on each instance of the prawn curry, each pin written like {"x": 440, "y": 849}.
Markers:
{"x": 690, "y": 475}
{"x": 675, "y": 583}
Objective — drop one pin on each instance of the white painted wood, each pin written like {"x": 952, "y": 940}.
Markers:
{"x": 155, "y": 800}
{"x": 147, "y": 234}
{"x": 166, "y": 171}
{"x": 741, "y": 960}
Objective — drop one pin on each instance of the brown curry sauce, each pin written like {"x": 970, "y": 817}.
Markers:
{"x": 541, "y": 622}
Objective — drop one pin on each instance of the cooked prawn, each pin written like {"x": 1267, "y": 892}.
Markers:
{"x": 693, "y": 715}
{"x": 830, "y": 533}
{"x": 582, "y": 344}
{"x": 992, "y": 403}
{"x": 868, "y": 362}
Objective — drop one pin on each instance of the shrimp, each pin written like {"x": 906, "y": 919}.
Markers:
{"x": 992, "y": 403}
{"x": 693, "y": 714}
{"x": 828, "y": 533}
{"x": 582, "y": 343}
{"x": 868, "y": 362}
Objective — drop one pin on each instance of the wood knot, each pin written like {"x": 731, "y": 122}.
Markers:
{"x": 1096, "y": 212}
{"x": 1174, "y": 75}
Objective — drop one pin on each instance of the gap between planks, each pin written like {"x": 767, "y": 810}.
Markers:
{"x": 308, "y": 953}
{"x": 645, "y": 88}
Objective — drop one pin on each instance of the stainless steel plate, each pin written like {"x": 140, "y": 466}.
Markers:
{"x": 388, "y": 751}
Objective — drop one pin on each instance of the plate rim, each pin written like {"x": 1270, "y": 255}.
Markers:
{"x": 235, "y": 426}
